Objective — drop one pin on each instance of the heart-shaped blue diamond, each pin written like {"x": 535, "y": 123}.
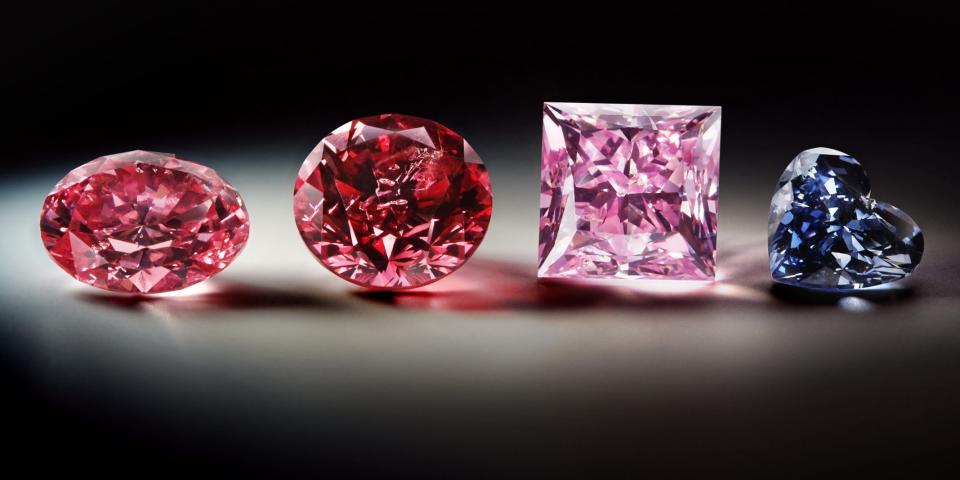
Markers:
{"x": 826, "y": 232}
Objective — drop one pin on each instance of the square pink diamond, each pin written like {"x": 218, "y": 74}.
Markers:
{"x": 629, "y": 191}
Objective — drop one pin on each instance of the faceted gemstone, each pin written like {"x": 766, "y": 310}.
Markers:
{"x": 629, "y": 191}
{"x": 143, "y": 222}
{"x": 393, "y": 201}
{"x": 826, "y": 232}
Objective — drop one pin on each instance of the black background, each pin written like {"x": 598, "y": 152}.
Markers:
{"x": 82, "y": 81}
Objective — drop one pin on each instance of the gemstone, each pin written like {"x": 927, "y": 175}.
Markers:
{"x": 826, "y": 232}
{"x": 629, "y": 191}
{"x": 143, "y": 222}
{"x": 393, "y": 201}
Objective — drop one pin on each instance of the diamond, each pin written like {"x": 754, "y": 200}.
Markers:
{"x": 826, "y": 232}
{"x": 629, "y": 191}
{"x": 393, "y": 201}
{"x": 143, "y": 222}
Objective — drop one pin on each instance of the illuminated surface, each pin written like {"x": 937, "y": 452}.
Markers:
{"x": 276, "y": 346}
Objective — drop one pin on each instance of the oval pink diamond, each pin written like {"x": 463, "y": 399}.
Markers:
{"x": 393, "y": 201}
{"x": 143, "y": 222}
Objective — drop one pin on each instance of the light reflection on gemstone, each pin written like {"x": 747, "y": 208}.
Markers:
{"x": 826, "y": 232}
{"x": 143, "y": 222}
{"x": 393, "y": 201}
{"x": 629, "y": 191}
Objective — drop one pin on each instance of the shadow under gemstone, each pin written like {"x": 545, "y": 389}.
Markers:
{"x": 217, "y": 295}
{"x": 886, "y": 293}
{"x": 492, "y": 286}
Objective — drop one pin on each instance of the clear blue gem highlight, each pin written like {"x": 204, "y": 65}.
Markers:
{"x": 826, "y": 232}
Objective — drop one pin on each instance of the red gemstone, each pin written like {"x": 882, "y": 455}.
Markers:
{"x": 393, "y": 201}
{"x": 143, "y": 222}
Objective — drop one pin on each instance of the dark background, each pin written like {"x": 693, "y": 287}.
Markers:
{"x": 82, "y": 81}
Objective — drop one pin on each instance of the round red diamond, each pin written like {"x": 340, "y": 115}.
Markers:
{"x": 143, "y": 222}
{"x": 393, "y": 201}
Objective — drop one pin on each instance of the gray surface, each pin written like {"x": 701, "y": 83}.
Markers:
{"x": 277, "y": 342}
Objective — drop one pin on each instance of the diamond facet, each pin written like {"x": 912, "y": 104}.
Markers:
{"x": 826, "y": 232}
{"x": 629, "y": 191}
{"x": 143, "y": 222}
{"x": 393, "y": 201}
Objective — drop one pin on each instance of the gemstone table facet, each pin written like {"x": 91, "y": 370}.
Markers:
{"x": 827, "y": 233}
{"x": 143, "y": 222}
{"x": 629, "y": 191}
{"x": 393, "y": 201}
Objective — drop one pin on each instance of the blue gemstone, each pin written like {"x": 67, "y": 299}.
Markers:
{"x": 826, "y": 232}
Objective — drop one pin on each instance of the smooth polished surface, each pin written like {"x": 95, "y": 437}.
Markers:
{"x": 278, "y": 356}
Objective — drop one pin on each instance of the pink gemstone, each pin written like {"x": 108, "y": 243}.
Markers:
{"x": 629, "y": 191}
{"x": 393, "y": 201}
{"x": 143, "y": 222}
